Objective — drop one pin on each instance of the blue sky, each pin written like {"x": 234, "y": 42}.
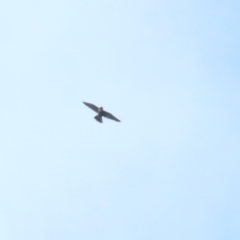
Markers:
{"x": 169, "y": 70}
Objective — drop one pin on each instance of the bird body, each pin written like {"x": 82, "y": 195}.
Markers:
{"x": 101, "y": 113}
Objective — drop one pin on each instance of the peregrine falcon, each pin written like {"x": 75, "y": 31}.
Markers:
{"x": 101, "y": 113}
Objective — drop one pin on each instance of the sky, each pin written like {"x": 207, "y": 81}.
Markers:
{"x": 169, "y": 70}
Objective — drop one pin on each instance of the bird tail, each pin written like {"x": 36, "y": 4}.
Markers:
{"x": 98, "y": 118}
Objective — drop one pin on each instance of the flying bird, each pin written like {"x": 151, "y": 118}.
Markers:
{"x": 101, "y": 113}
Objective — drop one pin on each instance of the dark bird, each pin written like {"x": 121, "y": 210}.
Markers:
{"x": 101, "y": 113}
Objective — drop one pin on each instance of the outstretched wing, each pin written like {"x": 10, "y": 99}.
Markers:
{"x": 93, "y": 107}
{"x": 110, "y": 116}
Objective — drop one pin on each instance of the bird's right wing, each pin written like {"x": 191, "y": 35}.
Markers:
{"x": 110, "y": 116}
{"x": 93, "y": 107}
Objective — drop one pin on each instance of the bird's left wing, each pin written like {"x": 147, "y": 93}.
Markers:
{"x": 93, "y": 107}
{"x": 110, "y": 116}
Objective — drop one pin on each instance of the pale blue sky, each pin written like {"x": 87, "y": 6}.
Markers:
{"x": 169, "y": 70}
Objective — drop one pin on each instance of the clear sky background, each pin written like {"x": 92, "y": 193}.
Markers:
{"x": 169, "y": 70}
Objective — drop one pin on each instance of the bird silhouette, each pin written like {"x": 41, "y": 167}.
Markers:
{"x": 101, "y": 113}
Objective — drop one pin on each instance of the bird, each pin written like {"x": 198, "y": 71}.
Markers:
{"x": 101, "y": 113}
